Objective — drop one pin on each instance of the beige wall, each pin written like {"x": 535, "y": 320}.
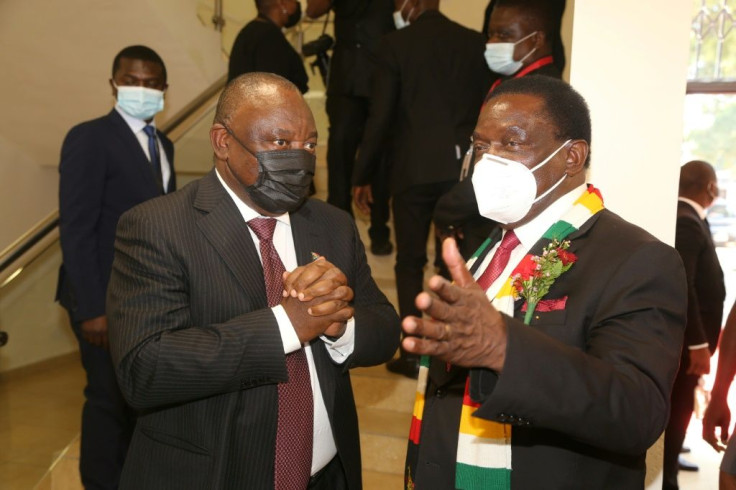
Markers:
{"x": 632, "y": 67}
{"x": 56, "y": 59}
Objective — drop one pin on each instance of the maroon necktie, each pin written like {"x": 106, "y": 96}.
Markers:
{"x": 293, "y": 458}
{"x": 499, "y": 261}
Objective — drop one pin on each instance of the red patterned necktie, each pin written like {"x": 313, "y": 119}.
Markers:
{"x": 293, "y": 458}
{"x": 499, "y": 261}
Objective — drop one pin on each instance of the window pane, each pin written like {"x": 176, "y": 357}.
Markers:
{"x": 712, "y": 41}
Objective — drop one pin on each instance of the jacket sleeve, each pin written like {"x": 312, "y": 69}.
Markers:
{"x": 690, "y": 242}
{"x": 82, "y": 175}
{"x": 614, "y": 393}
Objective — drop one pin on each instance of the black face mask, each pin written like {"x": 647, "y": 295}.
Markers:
{"x": 284, "y": 177}
{"x": 295, "y": 17}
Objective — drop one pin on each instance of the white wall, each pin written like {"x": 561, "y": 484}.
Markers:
{"x": 56, "y": 59}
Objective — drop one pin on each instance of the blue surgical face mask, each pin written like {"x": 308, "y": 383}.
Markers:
{"x": 140, "y": 102}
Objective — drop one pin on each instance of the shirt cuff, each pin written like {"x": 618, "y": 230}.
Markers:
{"x": 699, "y": 346}
{"x": 341, "y": 348}
{"x": 288, "y": 334}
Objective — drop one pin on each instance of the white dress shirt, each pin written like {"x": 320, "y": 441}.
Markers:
{"x": 136, "y": 125}
{"x": 324, "y": 448}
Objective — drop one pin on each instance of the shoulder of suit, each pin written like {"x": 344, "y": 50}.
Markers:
{"x": 317, "y": 210}
{"x": 615, "y": 229}
{"x": 98, "y": 124}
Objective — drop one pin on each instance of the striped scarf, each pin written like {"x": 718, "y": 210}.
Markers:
{"x": 484, "y": 446}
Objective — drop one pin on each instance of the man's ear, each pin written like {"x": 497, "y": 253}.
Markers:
{"x": 220, "y": 142}
{"x": 577, "y": 154}
{"x": 540, "y": 40}
{"x": 114, "y": 90}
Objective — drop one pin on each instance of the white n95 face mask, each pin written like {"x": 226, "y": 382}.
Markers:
{"x": 399, "y": 21}
{"x": 506, "y": 189}
{"x": 140, "y": 102}
{"x": 500, "y": 56}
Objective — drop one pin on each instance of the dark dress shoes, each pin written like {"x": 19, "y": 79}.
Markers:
{"x": 404, "y": 365}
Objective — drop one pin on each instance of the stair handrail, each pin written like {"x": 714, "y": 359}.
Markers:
{"x": 29, "y": 245}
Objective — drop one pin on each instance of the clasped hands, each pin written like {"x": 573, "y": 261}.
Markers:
{"x": 462, "y": 328}
{"x": 317, "y": 300}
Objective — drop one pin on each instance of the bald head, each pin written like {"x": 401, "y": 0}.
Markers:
{"x": 252, "y": 87}
{"x": 698, "y": 182}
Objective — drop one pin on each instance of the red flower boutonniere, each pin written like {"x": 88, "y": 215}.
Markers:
{"x": 537, "y": 273}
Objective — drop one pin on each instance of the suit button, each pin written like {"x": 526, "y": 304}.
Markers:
{"x": 440, "y": 393}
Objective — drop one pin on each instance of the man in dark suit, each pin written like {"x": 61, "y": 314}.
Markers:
{"x": 106, "y": 168}
{"x": 533, "y": 27}
{"x": 359, "y": 25}
{"x": 706, "y": 293}
{"x": 567, "y": 387}
{"x": 429, "y": 83}
{"x": 262, "y": 46}
{"x": 204, "y": 342}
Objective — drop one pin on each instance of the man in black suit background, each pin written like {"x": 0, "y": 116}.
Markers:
{"x": 359, "y": 25}
{"x": 706, "y": 293}
{"x": 428, "y": 86}
{"x": 108, "y": 165}
{"x": 261, "y": 45}
{"x": 563, "y": 391}
{"x": 205, "y": 343}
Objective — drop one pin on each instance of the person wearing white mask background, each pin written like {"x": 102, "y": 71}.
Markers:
{"x": 108, "y": 165}
{"x": 523, "y": 39}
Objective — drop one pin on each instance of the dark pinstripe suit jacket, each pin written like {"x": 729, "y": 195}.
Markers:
{"x": 199, "y": 353}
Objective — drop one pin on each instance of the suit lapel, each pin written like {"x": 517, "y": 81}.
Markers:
{"x": 306, "y": 237}
{"x": 138, "y": 157}
{"x": 223, "y": 226}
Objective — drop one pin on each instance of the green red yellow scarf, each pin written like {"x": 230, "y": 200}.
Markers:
{"x": 484, "y": 446}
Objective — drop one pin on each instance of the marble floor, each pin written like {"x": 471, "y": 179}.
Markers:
{"x": 40, "y": 411}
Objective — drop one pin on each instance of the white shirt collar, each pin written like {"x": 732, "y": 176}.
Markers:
{"x": 134, "y": 123}
{"x": 698, "y": 208}
{"x": 246, "y": 211}
{"x": 530, "y": 233}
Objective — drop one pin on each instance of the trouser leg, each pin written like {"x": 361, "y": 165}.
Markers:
{"x": 107, "y": 420}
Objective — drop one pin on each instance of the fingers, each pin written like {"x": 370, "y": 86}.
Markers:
{"x": 438, "y": 307}
{"x": 328, "y": 307}
{"x": 361, "y": 199}
{"x": 455, "y": 264}
{"x": 314, "y": 279}
{"x": 427, "y": 328}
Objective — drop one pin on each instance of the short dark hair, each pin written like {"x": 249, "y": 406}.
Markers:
{"x": 245, "y": 87}
{"x": 565, "y": 108}
{"x": 138, "y": 52}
